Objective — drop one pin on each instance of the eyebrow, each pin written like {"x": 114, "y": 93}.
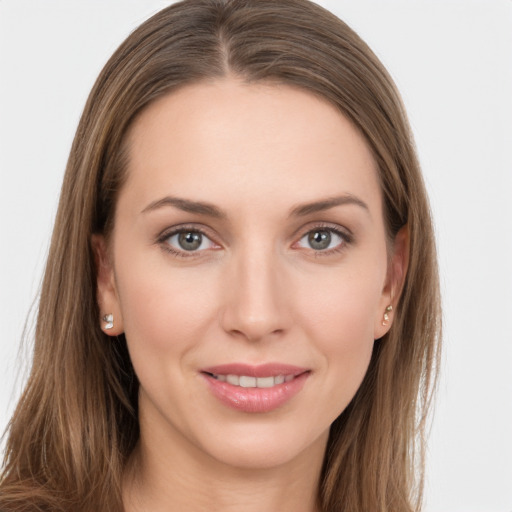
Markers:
{"x": 186, "y": 205}
{"x": 326, "y": 204}
{"x": 208, "y": 209}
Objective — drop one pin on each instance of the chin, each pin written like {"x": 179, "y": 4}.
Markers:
{"x": 254, "y": 447}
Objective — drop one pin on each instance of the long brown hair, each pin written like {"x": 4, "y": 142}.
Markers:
{"x": 76, "y": 422}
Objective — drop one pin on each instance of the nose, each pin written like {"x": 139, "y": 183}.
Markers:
{"x": 255, "y": 306}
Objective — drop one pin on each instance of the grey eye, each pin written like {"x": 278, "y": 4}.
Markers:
{"x": 321, "y": 239}
{"x": 190, "y": 241}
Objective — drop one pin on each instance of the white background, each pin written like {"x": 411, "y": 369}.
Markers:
{"x": 452, "y": 61}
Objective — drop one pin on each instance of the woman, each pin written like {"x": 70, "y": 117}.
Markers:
{"x": 240, "y": 307}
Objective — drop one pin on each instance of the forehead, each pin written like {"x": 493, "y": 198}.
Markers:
{"x": 234, "y": 142}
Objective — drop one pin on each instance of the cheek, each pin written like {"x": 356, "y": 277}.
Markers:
{"x": 166, "y": 316}
{"x": 165, "y": 311}
{"x": 343, "y": 303}
{"x": 339, "y": 315}
{"x": 344, "y": 335}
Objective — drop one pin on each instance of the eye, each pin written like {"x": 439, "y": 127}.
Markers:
{"x": 322, "y": 239}
{"x": 189, "y": 240}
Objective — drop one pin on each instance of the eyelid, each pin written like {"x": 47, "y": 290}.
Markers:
{"x": 343, "y": 232}
{"x": 184, "y": 228}
{"x": 327, "y": 226}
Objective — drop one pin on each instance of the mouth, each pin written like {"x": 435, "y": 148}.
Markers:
{"x": 255, "y": 389}
{"x": 247, "y": 381}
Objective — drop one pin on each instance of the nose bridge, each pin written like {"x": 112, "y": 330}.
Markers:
{"x": 254, "y": 308}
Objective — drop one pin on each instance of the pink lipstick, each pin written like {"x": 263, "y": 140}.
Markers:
{"x": 255, "y": 389}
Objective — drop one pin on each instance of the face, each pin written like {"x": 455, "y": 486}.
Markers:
{"x": 248, "y": 269}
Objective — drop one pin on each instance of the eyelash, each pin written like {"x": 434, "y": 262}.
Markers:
{"x": 346, "y": 236}
{"x": 162, "y": 240}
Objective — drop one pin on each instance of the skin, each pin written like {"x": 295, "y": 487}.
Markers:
{"x": 256, "y": 291}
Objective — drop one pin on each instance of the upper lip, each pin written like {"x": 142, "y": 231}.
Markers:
{"x": 260, "y": 370}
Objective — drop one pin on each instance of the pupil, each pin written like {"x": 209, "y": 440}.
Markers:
{"x": 190, "y": 241}
{"x": 319, "y": 240}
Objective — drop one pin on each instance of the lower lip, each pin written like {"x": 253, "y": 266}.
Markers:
{"x": 255, "y": 400}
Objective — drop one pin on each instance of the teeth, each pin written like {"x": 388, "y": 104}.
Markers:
{"x": 246, "y": 381}
{"x": 265, "y": 382}
{"x": 233, "y": 379}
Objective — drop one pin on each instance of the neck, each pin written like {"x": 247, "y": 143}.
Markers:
{"x": 168, "y": 476}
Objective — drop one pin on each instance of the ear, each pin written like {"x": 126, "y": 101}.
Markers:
{"x": 106, "y": 293}
{"x": 395, "y": 278}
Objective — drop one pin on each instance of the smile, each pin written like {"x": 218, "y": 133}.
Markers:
{"x": 247, "y": 381}
{"x": 255, "y": 389}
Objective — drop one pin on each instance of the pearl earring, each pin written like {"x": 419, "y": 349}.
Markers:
{"x": 386, "y": 315}
{"x": 109, "y": 321}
